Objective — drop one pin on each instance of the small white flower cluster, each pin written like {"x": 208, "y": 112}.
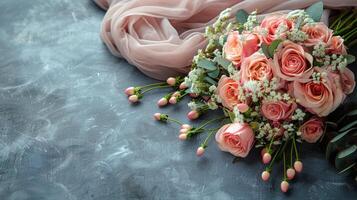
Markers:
{"x": 316, "y": 77}
{"x": 192, "y": 105}
{"x": 265, "y": 130}
{"x": 192, "y": 80}
{"x": 319, "y": 50}
{"x": 222, "y": 20}
{"x": 290, "y": 130}
{"x": 298, "y": 115}
{"x": 251, "y": 21}
{"x": 254, "y": 88}
{"x": 336, "y": 62}
{"x": 238, "y": 117}
{"x": 300, "y": 17}
{"x": 282, "y": 28}
{"x": 212, "y": 105}
{"x": 296, "y": 35}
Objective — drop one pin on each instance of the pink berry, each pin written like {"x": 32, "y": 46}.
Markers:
{"x": 182, "y": 86}
{"x": 192, "y": 115}
{"x": 298, "y": 166}
{"x": 130, "y": 91}
{"x": 173, "y": 100}
{"x": 186, "y": 126}
{"x": 266, "y": 158}
{"x": 176, "y": 94}
{"x": 290, "y": 173}
{"x": 265, "y": 176}
{"x": 284, "y": 186}
{"x": 193, "y": 95}
{"x": 264, "y": 150}
{"x": 162, "y": 102}
{"x": 200, "y": 151}
{"x": 171, "y": 81}
{"x": 183, "y": 136}
{"x": 157, "y": 116}
{"x": 243, "y": 107}
{"x": 133, "y": 98}
{"x": 184, "y": 131}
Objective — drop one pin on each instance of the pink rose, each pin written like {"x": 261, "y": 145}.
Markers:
{"x": 272, "y": 24}
{"x": 347, "y": 81}
{"x": 335, "y": 46}
{"x": 321, "y": 97}
{"x": 239, "y": 46}
{"x": 317, "y": 32}
{"x": 291, "y": 62}
{"x": 256, "y": 67}
{"x": 312, "y": 130}
{"x": 235, "y": 138}
{"x": 277, "y": 110}
{"x": 227, "y": 90}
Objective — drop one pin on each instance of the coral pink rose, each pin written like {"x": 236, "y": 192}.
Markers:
{"x": 277, "y": 110}
{"x": 291, "y": 62}
{"x": 348, "y": 81}
{"x": 236, "y": 139}
{"x": 239, "y": 46}
{"x": 256, "y": 67}
{"x": 320, "y": 98}
{"x": 271, "y": 25}
{"x": 335, "y": 46}
{"x": 317, "y": 32}
{"x": 227, "y": 90}
{"x": 312, "y": 130}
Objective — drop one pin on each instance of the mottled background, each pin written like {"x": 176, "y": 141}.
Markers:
{"x": 67, "y": 131}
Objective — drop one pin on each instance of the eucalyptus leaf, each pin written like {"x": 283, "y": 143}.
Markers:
{"x": 210, "y": 80}
{"x": 222, "y": 40}
{"x": 347, "y": 169}
{"x": 346, "y": 157}
{"x": 348, "y": 126}
{"x": 265, "y": 50}
{"x": 222, "y": 62}
{"x": 206, "y": 64}
{"x": 336, "y": 142}
{"x": 273, "y": 46}
{"x": 214, "y": 74}
{"x": 242, "y": 16}
{"x": 350, "y": 59}
{"x": 315, "y": 11}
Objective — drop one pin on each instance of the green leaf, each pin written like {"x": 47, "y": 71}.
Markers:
{"x": 206, "y": 64}
{"x": 231, "y": 116}
{"x": 242, "y": 16}
{"x": 348, "y": 126}
{"x": 347, "y": 170}
{"x": 214, "y": 74}
{"x": 265, "y": 50}
{"x": 346, "y": 157}
{"x": 210, "y": 80}
{"x": 273, "y": 46}
{"x": 222, "y": 39}
{"x": 337, "y": 141}
{"x": 223, "y": 62}
{"x": 315, "y": 11}
{"x": 350, "y": 59}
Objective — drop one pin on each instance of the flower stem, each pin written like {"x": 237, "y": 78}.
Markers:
{"x": 156, "y": 87}
{"x": 291, "y": 154}
{"x": 210, "y": 121}
{"x": 296, "y": 152}
{"x": 174, "y": 120}
{"x": 284, "y": 166}
{"x": 153, "y": 84}
{"x": 205, "y": 142}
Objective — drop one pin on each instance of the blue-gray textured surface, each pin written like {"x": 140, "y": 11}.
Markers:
{"x": 67, "y": 131}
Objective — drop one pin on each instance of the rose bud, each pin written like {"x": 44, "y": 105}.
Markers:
{"x": 171, "y": 81}
{"x": 265, "y": 176}
{"x": 173, "y": 100}
{"x": 200, "y": 151}
{"x": 183, "y": 136}
{"x": 134, "y": 98}
{"x": 186, "y": 126}
{"x": 184, "y": 131}
{"x": 162, "y": 102}
{"x": 284, "y": 186}
{"x": 176, "y": 94}
{"x": 130, "y": 91}
{"x": 264, "y": 150}
{"x": 193, "y": 95}
{"x": 290, "y": 173}
{"x": 298, "y": 166}
{"x": 242, "y": 107}
{"x": 183, "y": 86}
{"x": 266, "y": 158}
{"x": 157, "y": 116}
{"x": 192, "y": 115}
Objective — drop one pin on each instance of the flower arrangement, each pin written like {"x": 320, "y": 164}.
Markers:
{"x": 276, "y": 79}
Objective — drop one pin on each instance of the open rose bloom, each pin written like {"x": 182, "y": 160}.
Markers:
{"x": 275, "y": 81}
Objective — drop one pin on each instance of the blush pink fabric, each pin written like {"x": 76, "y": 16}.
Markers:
{"x": 160, "y": 37}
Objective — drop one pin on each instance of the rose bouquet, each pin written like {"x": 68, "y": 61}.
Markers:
{"x": 275, "y": 79}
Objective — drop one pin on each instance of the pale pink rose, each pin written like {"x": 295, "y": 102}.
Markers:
{"x": 227, "y": 90}
{"x": 271, "y": 26}
{"x": 239, "y": 46}
{"x": 320, "y": 98}
{"x": 236, "y": 138}
{"x": 291, "y": 62}
{"x": 256, "y": 67}
{"x": 312, "y": 130}
{"x": 335, "y": 46}
{"x": 277, "y": 110}
{"x": 317, "y": 32}
{"x": 348, "y": 81}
